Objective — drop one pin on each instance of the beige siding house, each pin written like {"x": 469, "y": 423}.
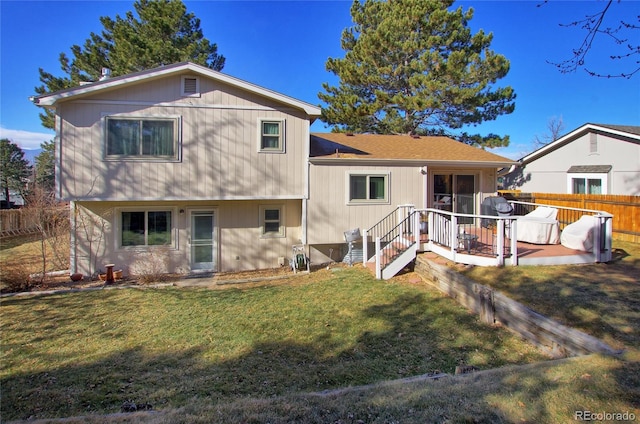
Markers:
{"x": 356, "y": 180}
{"x": 592, "y": 159}
{"x": 183, "y": 169}
{"x": 184, "y": 166}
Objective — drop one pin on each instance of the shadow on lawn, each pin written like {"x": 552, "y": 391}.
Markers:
{"x": 421, "y": 334}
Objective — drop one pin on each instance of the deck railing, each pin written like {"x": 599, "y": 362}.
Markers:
{"x": 492, "y": 240}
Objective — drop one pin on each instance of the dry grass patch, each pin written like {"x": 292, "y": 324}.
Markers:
{"x": 600, "y": 299}
{"x": 89, "y": 352}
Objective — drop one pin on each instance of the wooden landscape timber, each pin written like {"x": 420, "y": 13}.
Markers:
{"x": 495, "y": 308}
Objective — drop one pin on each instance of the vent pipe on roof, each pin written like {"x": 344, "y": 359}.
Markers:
{"x": 106, "y": 74}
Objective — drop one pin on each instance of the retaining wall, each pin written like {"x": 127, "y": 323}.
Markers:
{"x": 494, "y": 307}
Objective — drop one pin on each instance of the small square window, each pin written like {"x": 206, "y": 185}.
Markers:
{"x": 271, "y": 136}
{"x": 271, "y": 221}
{"x": 364, "y": 188}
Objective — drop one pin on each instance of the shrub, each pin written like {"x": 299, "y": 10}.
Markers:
{"x": 152, "y": 266}
{"x": 14, "y": 277}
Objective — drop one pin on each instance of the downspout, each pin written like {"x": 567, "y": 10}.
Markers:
{"x": 73, "y": 242}
{"x": 425, "y": 184}
{"x": 307, "y": 189}
{"x": 58, "y": 156}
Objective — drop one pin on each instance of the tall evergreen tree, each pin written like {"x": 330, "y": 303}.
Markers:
{"x": 14, "y": 169}
{"x": 413, "y": 66}
{"x": 162, "y": 33}
{"x": 45, "y": 166}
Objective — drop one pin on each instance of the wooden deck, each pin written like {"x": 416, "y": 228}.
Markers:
{"x": 528, "y": 254}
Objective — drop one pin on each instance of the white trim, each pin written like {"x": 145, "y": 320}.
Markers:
{"x": 370, "y": 173}
{"x": 216, "y": 236}
{"x": 183, "y": 105}
{"x": 176, "y": 198}
{"x": 603, "y": 177}
{"x": 458, "y": 164}
{"x": 57, "y": 170}
{"x": 568, "y": 138}
{"x": 179, "y": 68}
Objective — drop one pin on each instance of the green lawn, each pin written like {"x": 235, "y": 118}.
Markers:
{"x": 89, "y": 352}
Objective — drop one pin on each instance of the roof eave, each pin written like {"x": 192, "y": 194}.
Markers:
{"x": 569, "y": 137}
{"x": 409, "y": 162}
{"x": 50, "y": 100}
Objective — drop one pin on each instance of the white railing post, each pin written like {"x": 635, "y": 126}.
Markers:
{"x": 430, "y": 218}
{"x": 365, "y": 248}
{"x": 608, "y": 233}
{"x": 453, "y": 235}
{"x": 416, "y": 227}
{"x": 378, "y": 259}
{"x": 500, "y": 241}
{"x": 513, "y": 230}
{"x": 597, "y": 238}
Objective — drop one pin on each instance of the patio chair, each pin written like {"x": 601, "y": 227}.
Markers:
{"x": 579, "y": 235}
{"x": 539, "y": 226}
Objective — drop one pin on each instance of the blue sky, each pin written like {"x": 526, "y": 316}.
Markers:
{"x": 283, "y": 46}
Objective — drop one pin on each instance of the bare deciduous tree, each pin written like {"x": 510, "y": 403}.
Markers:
{"x": 620, "y": 34}
{"x": 555, "y": 127}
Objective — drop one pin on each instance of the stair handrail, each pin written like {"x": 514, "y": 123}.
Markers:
{"x": 381, "y": 228}
{"x": 374, "y": 232}
{"x": 393, "y": 234}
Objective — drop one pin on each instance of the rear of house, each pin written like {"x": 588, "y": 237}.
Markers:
{"x": 358, "y": 179}
{"x": 181, "y": 167}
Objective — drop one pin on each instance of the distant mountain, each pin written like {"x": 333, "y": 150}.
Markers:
{"x": 31, "y": 154}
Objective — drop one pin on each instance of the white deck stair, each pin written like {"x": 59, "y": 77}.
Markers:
{"x": 395, "y": 249}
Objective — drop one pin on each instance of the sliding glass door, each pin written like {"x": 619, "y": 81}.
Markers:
{"x": 455, "y": 192}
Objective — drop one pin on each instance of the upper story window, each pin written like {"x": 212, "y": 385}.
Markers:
{"x": 271, "y": 136}
{"x": 368, "y": 188}
{"x": 141, "y": 137}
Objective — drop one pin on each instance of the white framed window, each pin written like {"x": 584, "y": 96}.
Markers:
{"x": 190, "y": 86}
{"x": 272, "y": 221}
{"x": 364, "y": 187}
{"x": 141, "y": 137}
{"x": 145, "y": 227}
{"x": 271, "y": 137}
{"x": 587, "y": 183}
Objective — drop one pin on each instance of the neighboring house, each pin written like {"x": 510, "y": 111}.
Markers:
{"x": 15, "y": 200}
{"x": 358, "y": 179}
{"x": 223, "y": 175}
{"x": 592, "y": 159}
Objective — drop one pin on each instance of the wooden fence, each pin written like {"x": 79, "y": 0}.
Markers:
{"x": 625, "y": 209}
{"x": 15, "y": 222}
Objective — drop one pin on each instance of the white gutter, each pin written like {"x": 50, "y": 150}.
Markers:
{"x": 411, "y": 162}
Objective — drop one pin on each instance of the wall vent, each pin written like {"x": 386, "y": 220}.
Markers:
{"x": 190, "y": 86}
